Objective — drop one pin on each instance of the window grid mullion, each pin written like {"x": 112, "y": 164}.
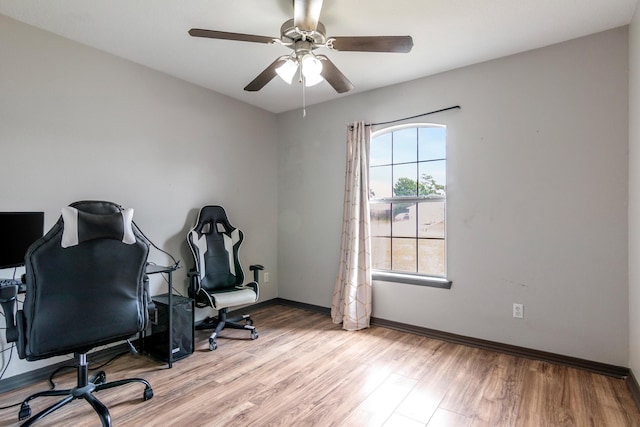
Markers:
{"x": 408, "y": 163}
{"x": 417, "y": 190}
{"x": 416, "y": 228}
{"x": 391, "y": 206}
{"x": 417, "y": 194}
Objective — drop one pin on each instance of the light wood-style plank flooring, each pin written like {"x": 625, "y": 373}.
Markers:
{"x": 306, "y": 371}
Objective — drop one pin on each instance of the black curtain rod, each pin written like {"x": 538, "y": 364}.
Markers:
{"x": 455, "y": 107}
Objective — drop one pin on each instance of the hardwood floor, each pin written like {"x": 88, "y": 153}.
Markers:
{"x": 306, "y": 371}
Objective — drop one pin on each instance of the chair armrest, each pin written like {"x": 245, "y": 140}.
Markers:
{"x": 256, "y": 269}
{"x": 194, "y": 282}
{"x": 152, "y": 311}
{"x": 21, "y": 341}
{"x": 9, "y": 304}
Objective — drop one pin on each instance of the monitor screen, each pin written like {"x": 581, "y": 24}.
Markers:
{"x": 18, "y": 230}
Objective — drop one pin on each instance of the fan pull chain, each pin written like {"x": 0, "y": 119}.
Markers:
{"x": 304, "y": 105}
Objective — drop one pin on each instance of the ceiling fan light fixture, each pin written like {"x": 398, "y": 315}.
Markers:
{"x": 302, "y": 35}
{"x": 311, "y": 69}
{"x": 287, "y": 70}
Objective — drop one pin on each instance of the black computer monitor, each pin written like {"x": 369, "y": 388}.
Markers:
{"x": 18, "y": 230}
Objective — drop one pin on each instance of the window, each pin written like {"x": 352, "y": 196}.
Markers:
{"x": 407, "y": 180}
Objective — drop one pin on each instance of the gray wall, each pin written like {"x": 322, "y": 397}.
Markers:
{"x": 77, "y": 123}
{"x": 634, "y": 195}
{"x": 537, "y": 208}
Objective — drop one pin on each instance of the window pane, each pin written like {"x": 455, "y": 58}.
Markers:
{"x": 381, "y": 253}
{"x": 432, "y": 143}
{"x": 404, "y": 180}
{"x": 403, "y": 255}
{"x": 380, "y": 150}
{"x": 433, "y": 177}
{"x": 380, "y": 219}
{"x": 405, "y": 145}
{"x": 380, "y": 184}
{"x": 431, "y": 257}
{"x": 404, "y": 220}
{"x": 431, "y": 220}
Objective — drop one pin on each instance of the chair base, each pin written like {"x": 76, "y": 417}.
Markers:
{"x": 221, "y": 321}
{"x": 84, "y": 390}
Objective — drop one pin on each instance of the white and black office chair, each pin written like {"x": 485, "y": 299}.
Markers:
{"x": 85, "y": 287}
{"x": 217, "y": 280}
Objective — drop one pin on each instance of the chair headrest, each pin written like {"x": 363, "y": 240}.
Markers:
{"x": 81, "y": 226}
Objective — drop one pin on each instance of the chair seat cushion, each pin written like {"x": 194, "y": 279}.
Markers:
{"x": 239, "y": 296}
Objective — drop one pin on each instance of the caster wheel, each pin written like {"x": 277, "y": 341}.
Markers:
{"x": 254, "y": 335}
{"x": 249, "y": 322}
{"x": 148, "y": 394}
{"x": 212, "y": 345}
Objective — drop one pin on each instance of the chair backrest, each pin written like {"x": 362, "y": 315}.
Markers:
{"x": 84, "y": 282}
{"x": 214, "y": 243}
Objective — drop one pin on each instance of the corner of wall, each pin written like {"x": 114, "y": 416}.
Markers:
{"x": 634, "y": 196}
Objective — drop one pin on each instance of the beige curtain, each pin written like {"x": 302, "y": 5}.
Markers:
{"x": 352, "y": 295}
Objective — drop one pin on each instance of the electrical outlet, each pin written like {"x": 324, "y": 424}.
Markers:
{"x": 266, "y": 277}
{"x": 518, "y": 310}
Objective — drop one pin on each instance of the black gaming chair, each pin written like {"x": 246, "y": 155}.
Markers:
{"x": 217, "y": 278}
{"x": 85, "y": 287}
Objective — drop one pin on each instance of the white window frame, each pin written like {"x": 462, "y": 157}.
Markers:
{"x": 411, "y": 277}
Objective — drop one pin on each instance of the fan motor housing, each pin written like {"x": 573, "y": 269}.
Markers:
{"x": 290, "y": 33}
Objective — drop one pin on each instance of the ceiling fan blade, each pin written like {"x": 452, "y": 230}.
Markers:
{"x": 306, "y": 14}
{"x": 333, "y": 76}
{"x": 396, "y": 44}
{"x": 212, "y": 34}
{"x": 266, "y": 76}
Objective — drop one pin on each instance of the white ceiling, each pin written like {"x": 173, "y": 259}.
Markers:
{"x": 447, "y": 34}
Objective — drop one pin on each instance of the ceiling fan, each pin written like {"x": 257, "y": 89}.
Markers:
{"x": 303, "y": 34}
